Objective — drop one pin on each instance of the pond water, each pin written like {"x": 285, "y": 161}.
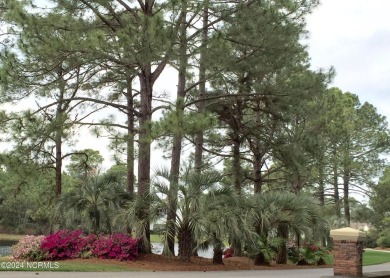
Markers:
{"x": 5, "y": 251}
{"x": 5, "y": 247}
{"x": 157, "y": 248}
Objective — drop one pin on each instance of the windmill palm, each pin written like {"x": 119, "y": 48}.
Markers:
{"x": 276, "y": 209}
{"x": 301, "y": 215}
{"x": 194, "y": 191}
{"x": 221, "y": 220}
{"x": 206, "y": 211}
{"x": 93, "y": 203}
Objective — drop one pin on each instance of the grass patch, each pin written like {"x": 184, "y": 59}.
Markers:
{"x": 67, "y": 265}
{"x": 154, "y": 238}
{"x": 9, "y": 239}
{"x": 371, "y": 257}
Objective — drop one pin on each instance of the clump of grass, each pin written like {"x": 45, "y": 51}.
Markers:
{"x": 371, "y": 257}
{"x": 9, "y": 239}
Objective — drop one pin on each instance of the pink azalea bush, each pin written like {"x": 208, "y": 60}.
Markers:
{"x": 117, "y": 246}
{"x": 87, "y": 246}
{"x": 29, "y": 248}
{"x": 65, "y": 244}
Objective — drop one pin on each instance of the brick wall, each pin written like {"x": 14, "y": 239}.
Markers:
{"x": 348, "y": 258}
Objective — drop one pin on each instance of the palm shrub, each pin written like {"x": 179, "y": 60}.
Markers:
{"x": 263, "y": 214}
{"x": 130, "y": 216}
{"x": 275, "y": 209}
{"x": 92, "y": 204}
{"x": 206, "y": 212}
{"x": 264, "y": 249}
{"x": 301, "y": 215}
{"x": 220, "y": 220}
{"x": 194, "y": 219}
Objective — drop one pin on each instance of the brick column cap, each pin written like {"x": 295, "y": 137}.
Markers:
{"x": 348, "y": 234}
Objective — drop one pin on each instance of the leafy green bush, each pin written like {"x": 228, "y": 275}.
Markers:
{"x": 264, "y": 248}
{"x": 293, "y": 254}
{"x": 371, "y": 240}
{"x": 308, "y": 255}
{"x": 384, "y": 239}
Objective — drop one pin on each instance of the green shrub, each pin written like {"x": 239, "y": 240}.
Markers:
{"x": 371, "y": 240}
{"x": 384, "y": 239}
{"x": 309, "y": 255}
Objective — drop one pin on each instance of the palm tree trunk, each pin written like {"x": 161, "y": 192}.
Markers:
{"x": 217, "y": 255}
{"x": 185, "y": 243}
{"x": 282, "y": 254}
{"x": 260, "y": 259}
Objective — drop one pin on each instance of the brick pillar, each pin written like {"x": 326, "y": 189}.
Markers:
{"x": 348, "y": 252}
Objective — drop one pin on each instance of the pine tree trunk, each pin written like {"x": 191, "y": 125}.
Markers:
{"x": 59, "y": 125}
{"x": 257, "y": 156}
{"x": 321, "y": 193}
{"x": 347, "y": 212}
{"x": 321, "y": 187}
{"x": 236, "y": 173}
{"x": 172, "y": 197}
{"x": 257, "y": 179}
{"x": 198, "y": 163}
{"x": 130, "y": 138}
{"x": 144, "y": 150}
{"x": 58, "y": 178}
{"x": 236, "y": 167}
{"x": 178, "y": 137}
{"x": 335, "y": 184}
{"x": 202, "y": 90}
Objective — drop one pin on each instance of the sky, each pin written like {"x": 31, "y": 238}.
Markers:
{"x": 353, "y": 36}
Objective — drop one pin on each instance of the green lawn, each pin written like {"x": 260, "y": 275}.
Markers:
{"x": 12, "y": 239}
{"x": 370, "y": 257}
{"x": 69, "y": 265}
{"x": 8, "y": 239}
